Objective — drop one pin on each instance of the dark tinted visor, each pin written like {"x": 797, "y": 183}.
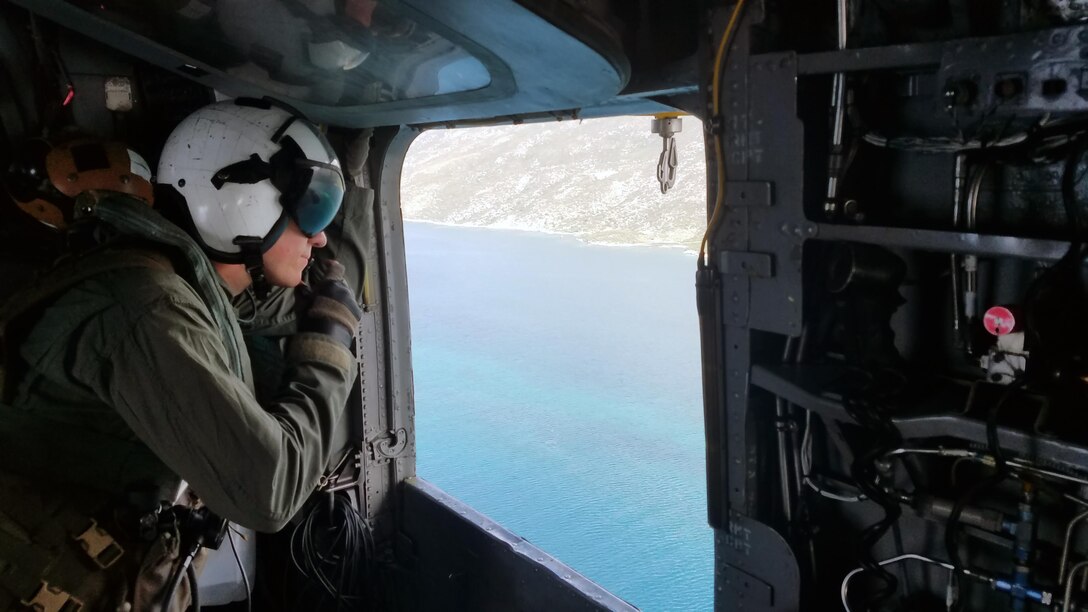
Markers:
{"x": 311, "y": 191}
{"x": 314, "y": 204}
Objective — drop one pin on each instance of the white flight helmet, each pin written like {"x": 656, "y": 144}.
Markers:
{"x": 244, "y": 168}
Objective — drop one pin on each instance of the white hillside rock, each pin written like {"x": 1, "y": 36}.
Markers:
{"x": 595, "y": 179}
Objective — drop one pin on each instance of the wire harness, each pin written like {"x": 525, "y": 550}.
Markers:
{"x": 333, "y": 548}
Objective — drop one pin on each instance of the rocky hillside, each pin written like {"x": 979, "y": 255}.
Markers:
{"x": 595, "y": 179}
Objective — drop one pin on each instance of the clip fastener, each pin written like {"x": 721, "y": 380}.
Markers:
{"x": 49, "y": 598}
{"x": 100, "y": 546}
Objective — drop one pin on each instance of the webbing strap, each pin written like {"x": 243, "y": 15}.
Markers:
{"x": 253, "y": 259}
{"x": 98, "y": 545}
{"x": 47, "y": 540}
{"x": 50, "y": 598}
{"x": 64, "y": 528}
{"x": 61, "y": 526}
{"x": 24, "y": 555}
{"x": 30, "y": 576}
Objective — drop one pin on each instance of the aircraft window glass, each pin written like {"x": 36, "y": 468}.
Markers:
{"x": 346, "y": 53}
{"x": 555, "y": 346}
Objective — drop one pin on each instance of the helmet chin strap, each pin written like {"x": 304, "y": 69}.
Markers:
{"x": 253, "y": 259}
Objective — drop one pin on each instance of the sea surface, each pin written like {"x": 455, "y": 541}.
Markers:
{"x": 558, "y": 392}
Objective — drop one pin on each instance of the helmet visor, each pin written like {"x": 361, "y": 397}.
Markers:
{"x": 314, "y": 204}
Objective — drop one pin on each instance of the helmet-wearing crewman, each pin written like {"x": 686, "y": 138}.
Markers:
{"x": 133, "y": 376}
{"x": 245, "y": 169}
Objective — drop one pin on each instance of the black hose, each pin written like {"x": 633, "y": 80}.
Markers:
{"x": 194, "y": 590}
{"x": 184, "y": 564}
{"x": 864, "y": 474}
{"x": 1001, "y": 472}
{"x": 865, "y": 407}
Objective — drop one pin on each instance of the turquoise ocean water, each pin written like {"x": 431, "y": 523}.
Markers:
{"x": 557, "y": 391}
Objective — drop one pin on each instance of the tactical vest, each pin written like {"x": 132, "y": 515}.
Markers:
{"x": 53, "y": 535}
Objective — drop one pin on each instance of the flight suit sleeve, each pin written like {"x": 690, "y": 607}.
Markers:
{"x": 169, "y": 379}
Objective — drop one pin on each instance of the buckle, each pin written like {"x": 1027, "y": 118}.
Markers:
{"x": 52, "y": 599}
{"x": 99, "y": 545}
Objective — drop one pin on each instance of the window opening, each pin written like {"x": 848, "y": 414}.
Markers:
{"x": 555, "y": 346}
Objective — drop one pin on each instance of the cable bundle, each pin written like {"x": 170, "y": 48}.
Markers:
{"x": 866, "y": 407}
{"x": 333, "y": 547}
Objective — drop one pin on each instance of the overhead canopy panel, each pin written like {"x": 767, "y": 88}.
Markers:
{"x": 360, "y": 62}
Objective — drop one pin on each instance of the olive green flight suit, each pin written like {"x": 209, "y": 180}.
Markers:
{"x": 137, "y": 378}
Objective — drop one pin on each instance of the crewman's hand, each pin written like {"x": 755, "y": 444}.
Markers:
{"x": 333, "y": 311}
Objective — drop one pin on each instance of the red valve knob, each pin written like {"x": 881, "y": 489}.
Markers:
{"x": 1001, "y": 320}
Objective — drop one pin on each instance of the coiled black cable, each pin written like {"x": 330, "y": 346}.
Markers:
{"x": 333, "y": 547}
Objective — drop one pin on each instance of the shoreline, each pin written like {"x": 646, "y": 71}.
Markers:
{"x": 687, "y": 249}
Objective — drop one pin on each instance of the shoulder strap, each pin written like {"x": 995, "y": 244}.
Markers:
{"x": 49, "y": 548}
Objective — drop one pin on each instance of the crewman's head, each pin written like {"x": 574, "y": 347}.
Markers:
{"x": 260, "y": 182}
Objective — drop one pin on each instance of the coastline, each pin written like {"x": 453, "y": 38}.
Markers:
{"x": 687, "y": 249}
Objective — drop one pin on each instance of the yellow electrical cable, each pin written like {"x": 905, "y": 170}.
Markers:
{"x": 715, "y": 92}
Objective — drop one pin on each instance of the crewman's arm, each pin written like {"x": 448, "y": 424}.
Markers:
{"x": 169, "y": 379}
